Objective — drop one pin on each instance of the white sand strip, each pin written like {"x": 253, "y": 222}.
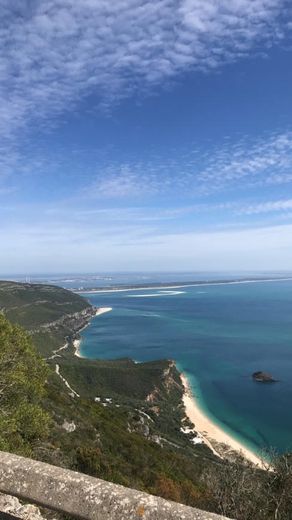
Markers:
{"x": 102, "y": 310}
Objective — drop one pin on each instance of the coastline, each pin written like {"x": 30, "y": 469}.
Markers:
{"x": 219, "y": 441}
{"x": 77, "y": 341}
{"x": 177, "y": 286}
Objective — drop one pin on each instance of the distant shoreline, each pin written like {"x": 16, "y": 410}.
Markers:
{"x": 176, "y": 285}
{"x": 214, "y": 436}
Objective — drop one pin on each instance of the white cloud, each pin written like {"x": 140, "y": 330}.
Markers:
{"x": 56, "y": 52}
{"x": 264, "y": 161}
{"x": 122, "y": 181}
{"x": 247, "y": 163}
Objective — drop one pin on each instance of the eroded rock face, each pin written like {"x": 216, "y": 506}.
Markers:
{"x": 263, "y": 377}
{"x": 13, "y": 506}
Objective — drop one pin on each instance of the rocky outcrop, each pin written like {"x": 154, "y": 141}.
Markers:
{"x": 69, "y": 427}
{"x": 263, "y": 377}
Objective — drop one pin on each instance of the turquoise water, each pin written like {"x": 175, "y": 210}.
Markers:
{"x": 219, "y": 335}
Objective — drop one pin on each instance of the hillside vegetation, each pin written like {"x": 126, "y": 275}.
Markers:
{"x": 125, "y": 426}
{"x": 116, "y": 420}
{"x": 34, "y": 305}
{"x": 49, "y": 313}
{"x": 23, "y": 419}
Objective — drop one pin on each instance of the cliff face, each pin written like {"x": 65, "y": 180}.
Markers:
{"x": 73, "y": 322}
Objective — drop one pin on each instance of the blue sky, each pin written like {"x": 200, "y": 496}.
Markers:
{"x": 145, "y": 135}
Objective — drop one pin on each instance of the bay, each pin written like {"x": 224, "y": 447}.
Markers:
{"x": 219, "y": 335}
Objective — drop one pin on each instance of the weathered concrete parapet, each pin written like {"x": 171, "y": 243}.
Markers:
{"x": 85, "y": 497}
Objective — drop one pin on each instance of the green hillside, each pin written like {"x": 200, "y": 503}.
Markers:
{"x": 33, "y": 305}
{"x": 48, "y": 312}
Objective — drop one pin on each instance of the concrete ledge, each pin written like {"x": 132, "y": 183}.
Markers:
{"x": 86, "y": 497}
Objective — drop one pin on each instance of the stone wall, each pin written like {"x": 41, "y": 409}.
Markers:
{"x": 85, "y": 497}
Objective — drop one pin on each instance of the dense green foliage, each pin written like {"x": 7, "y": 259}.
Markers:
{"x": 153, "y": 388}
{"x": 122, "y": 377}
{"x": 23, "y": 421}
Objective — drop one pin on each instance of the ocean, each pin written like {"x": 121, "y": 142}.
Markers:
{"x": 219, "y": 335}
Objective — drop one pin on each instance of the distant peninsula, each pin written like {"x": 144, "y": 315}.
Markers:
{"x": 177, "y": 285}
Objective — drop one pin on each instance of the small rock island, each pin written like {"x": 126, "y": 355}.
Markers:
{"x": 263, "y": 377}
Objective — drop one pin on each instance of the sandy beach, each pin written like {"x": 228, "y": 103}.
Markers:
{"x": 213, "y": 435}
{"x": 76, "y": 345}
{"x": 77, "y": 341}
{"x": 102, "y": 310}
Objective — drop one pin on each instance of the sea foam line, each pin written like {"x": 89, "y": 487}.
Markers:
{"x": 160, "y": 293}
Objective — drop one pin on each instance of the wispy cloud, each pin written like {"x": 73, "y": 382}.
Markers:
{"x": 243, "y": 164}
{"x": 265, "y": 160}
{"x": 248, "y": 163}
{"x": 123, "y": 180}
{"x": 66, "y": 248}
{"x": 54, "y": 53}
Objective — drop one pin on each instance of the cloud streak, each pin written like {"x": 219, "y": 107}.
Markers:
{"x": 59, "y": 249}
{"x": 266, "y": 207}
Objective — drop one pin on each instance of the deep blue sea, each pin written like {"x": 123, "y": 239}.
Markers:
{"x": 219, "y": 335}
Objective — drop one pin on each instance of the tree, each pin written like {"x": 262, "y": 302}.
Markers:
{"x": 23, "y": 375}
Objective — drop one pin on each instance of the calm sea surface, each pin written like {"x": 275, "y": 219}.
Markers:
{"x": 219, "y": 335}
